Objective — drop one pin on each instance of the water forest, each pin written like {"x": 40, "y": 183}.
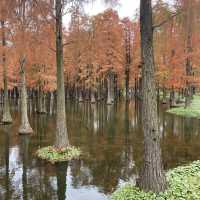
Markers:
{"x": 99, "y": 99}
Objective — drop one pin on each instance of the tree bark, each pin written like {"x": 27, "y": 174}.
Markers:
{"x": 25, "y": 127}
{"x": 188, "y": 90}
{"x": 109, "y": 87}
{"x": 128, "y": 61}
{"x": 152, "y": 176}
{"x": 93, "y": 100}
{"x": 172, "y": 98}
{"x": 6, "y": 107}
{"x": 61, "y": 128}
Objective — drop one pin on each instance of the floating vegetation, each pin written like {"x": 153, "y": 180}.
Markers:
{"x": 53, "y": 154}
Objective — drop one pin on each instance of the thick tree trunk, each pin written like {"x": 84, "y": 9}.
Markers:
{"x": 6, "y": 107}
{"x": 61, "y": 128}
{"x": 152, "y": 176}
{"x": 25, "y": 127}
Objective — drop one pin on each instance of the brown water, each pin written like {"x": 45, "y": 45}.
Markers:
{"x": 110, "y": 137}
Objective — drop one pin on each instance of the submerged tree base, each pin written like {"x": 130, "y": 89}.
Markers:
{"x": 192, "y": 111}
{"x": 54, "y": 155}
{"x": 25, "y": 130}
{"x": 7, "y": 119}
{"x": 183, "y": 183}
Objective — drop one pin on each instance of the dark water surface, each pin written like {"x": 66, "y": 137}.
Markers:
{"x": 110, "y": 137}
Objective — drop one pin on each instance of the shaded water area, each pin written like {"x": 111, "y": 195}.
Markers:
{"x": 112, "y": 142}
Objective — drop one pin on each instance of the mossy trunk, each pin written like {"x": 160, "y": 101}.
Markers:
{"x": 152, "y": 175}
{"x": 6, "y": 107}
{"x": 61, "y": 127}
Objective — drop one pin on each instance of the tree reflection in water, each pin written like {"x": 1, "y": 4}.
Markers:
{"x": 111, "y": 139}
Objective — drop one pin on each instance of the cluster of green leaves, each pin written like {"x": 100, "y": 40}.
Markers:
{"x": 192, "y": 111}
{"x": 183, "y": 184}
{"x": 53, "y": 154}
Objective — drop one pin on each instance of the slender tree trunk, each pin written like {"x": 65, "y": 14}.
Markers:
{"x": 188, "y": 90}
{"x": 152, "y": 176}
{"x": 51, "y": 103}
{"x": 164, "y": 100}
{"x": 128, "y": 62}
{"x": 110, "y": 93}
{"x": 81, "y": 95}
{"x": 172, "y": 98}
{"x": 61, "y": 128}
{"x": 6, "y": 107}
{"x": 93, "y": 100}
{"x": 25, "y": 127}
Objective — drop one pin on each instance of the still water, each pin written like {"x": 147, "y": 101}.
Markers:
{"x": 112, "y": 142}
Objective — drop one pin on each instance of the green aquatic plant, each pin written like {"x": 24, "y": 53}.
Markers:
{"x": 192, "y": 111}
{"x": 183, "y": 184}
{"x": 53, "y": 154}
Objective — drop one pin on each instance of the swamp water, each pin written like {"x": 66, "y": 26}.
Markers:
{"x": 112, "y": 142}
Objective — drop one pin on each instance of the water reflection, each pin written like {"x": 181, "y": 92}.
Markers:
{"x": 6, "y": 130}
{"x": 112, "y": 140}
{"x": 24, "y": 144}
{"x": 61, "y": 173}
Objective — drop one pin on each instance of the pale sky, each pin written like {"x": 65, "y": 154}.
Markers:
{"x": 126, "y": 8}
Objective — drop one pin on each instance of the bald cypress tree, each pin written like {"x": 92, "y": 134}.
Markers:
{"x": 152, "y": 175}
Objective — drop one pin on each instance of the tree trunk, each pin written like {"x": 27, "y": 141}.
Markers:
{"x": 128, "y": 61}
{"x": 51, "y": 103}
{"x": 93, "y": 100}
{"x": 25, "y": 127}
{"x": 188, "y": 90}
{"x": 172, "y": 98}
{"x": 152, "y": 176}
{"x": 110, "y": 94}
{"x": 41, "y": 102}
{"x": 61, "y": 128}
{"x": 81, "y": 95}
{"x": 6, "y": 107}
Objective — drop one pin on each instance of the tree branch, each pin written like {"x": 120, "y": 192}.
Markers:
{"x": 68, "y": 43}
{"x": 166, "y": 20}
